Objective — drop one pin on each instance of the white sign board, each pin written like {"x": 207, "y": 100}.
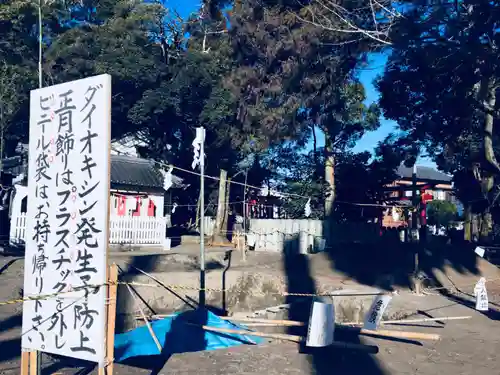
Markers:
{"x": 67, "y": 224}
{"x": 321, "y": 330}
{"x": 481, "y": 295}
{"x": 376, "y": 312}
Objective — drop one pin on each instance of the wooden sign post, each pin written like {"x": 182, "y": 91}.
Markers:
{"x": 111, "y": 320}
{"x": 66, "y": 257}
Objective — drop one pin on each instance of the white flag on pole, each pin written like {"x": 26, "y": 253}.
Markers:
{"x": 199, "y": 139}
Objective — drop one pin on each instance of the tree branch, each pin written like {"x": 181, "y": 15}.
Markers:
{"x": 329, "y": 16}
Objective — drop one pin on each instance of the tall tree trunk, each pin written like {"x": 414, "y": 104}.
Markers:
{"x": 221, "y": 207}
{"x": 486, "y": 226}
{"x": 468, "y": 223}
{"x": 329, "y": 178}
{"x": 225, "y": 222}
{"x": 488, "y": 97}
{"x": 315, "y": 151}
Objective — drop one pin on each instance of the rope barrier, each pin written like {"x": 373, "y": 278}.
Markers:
{"x": 194, "y": 288}
{"x": 42, "y": 297}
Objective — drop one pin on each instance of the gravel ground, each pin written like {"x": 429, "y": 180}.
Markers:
{"x": 467, "y": 347}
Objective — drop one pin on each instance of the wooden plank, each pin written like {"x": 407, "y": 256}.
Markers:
{"x": 33, "y": 360}
{"x": 111, "y": 317}
{"x": 25, "y": 363}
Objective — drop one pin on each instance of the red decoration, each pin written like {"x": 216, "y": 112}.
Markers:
{"x": 122, "y": 205}
{"x": 137, "y": 211}
{"x": 151, "y": 208}
{"x": 427, "y": 197}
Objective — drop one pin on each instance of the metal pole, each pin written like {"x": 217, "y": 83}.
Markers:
{"x": 245, "y": 217}
{"x": 2, "y": 140}
{"x": 202, "y": 221}
{"x": 414, "y": 217}
{"x": 40, "y": 41}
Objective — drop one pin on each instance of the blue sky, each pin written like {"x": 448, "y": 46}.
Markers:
{"x": 367, "y": 75}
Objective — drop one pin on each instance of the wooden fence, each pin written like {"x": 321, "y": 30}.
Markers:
{"x": 124, "y": 230}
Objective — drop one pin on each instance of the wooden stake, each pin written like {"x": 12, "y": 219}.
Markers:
{"x": 110, "y": 332}
{"x": 280, "y": 336}
{"x": 150, "y": 329}
{"x": 107, "y": 209}
{"x": 111, "y": 291}
{"x": 25, "y": 363}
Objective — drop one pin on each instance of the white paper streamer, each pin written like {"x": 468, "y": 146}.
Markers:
{"x": 479, "y": 251}
{"x": 307, "y": 208}
{"x": 167, "y": 179}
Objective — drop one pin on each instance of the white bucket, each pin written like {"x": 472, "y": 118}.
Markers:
{"x": 320, "y": 332}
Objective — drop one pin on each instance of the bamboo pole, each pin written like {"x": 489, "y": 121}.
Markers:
{"x": 291, "y": 323}
{"x": 420, "y": 320}
{"x": 146, "y": 320}
{"x": 395, "y": 334}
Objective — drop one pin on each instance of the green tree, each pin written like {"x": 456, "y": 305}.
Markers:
{"x": 441, "y": 213}
{"x": 291, "y": 78}
{"x": 440, "y": 85}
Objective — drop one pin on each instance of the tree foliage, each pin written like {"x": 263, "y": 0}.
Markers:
{"x": 441, "y": 213}
{"x": 440, "y": 85}
{"x": 256, "y": 76}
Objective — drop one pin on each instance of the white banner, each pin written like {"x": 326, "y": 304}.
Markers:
{"x": 376, "y": 312}
{"x": 67, "y": 223}
{"x": 481, "y": 295}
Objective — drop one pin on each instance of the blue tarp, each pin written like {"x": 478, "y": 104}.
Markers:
{"x": 175, "y": 336}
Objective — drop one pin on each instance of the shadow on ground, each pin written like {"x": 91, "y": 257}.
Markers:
{"x": 389, "y": 263}
{"x": 328, "y": 360}
{"x": 10, "y": 348}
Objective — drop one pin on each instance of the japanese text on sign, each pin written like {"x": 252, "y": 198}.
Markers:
{"x": 67, "y": 222}
{"x": 376, "y": 312}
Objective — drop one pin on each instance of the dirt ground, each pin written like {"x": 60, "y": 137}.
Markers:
{"x": 466, "y": 347}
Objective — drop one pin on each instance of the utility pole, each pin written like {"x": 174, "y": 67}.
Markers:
{"x": 202, "y": 219}
{"x": 414, "y": 224}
